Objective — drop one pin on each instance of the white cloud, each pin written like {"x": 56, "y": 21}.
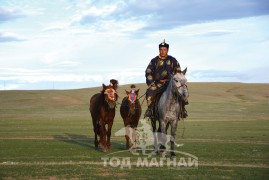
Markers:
{"x": 67, "y": 63}
{"x": 9, "y": 14}
{"x": 93, "y": 12}
{"x": 11, "y": 86}
{"x": 48, "y": 75}
{"x": 107, "y": 40}
{"x": 56, "y": 27}
{"x": 9, "y": 37}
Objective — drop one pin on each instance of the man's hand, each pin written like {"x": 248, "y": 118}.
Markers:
{"x": 164, "y": 80}
{"x": 152, "y": 84}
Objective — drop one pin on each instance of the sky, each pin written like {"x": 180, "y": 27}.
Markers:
{"x": 69, "y": 44}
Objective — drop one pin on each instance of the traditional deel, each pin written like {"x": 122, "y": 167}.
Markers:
{"x": 159, "y": 69}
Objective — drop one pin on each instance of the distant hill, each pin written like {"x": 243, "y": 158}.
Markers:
{"x": 207, "y": 100}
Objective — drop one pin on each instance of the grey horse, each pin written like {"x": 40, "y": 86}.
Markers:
{"x": 170, "y": 107}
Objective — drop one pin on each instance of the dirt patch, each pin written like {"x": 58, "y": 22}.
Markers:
{"x": 230, "y": 120}
{"x": 122, "y": 138}
{"x": 26, "y": 138}
{"x": 56, "y": 138}
{"x": 233, "y": 89}
{"x": 8, "y": 163}
{"x": 121, "y": 174}
{"x": 104, "y": 174}
{"x": 228, "y": 141}
{"x": 216, "y": 164}
{"x": 219, "y": 164}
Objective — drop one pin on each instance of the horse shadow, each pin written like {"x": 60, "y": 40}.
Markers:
{"x": 76, "y": 139}
{"x": 82, "y": 140}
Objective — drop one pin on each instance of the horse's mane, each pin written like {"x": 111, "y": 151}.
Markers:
{"x": 169, "y": 87}
{"x": 169, "y": 90}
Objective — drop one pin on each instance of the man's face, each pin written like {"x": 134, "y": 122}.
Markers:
{"x": 163, "y": 51}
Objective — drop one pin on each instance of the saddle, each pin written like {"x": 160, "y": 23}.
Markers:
{"x": 155, "y": 115}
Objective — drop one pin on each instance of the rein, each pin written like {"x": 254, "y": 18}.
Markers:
{"x": 180, "y": 101}
{"x": 143, "y": 99}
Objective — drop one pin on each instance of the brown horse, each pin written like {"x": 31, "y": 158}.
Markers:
{"x": 130, "y": 111}
{"x": 102, "y": 108}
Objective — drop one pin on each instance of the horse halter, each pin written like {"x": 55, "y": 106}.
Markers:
{"x": 132, "y": 97}
{"x": 176, "y": 89}
{"x": 183, "y": 85}
{"x": 111, "y": 93}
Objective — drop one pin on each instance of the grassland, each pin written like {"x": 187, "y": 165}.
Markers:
{"x": 48, "y": 135}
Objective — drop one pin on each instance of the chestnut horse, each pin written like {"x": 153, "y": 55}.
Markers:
{"x": 102, "y": 108}
{"x": 130, "y": 111}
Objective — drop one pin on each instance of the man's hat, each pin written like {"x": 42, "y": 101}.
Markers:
{"x": 163, "y": 44}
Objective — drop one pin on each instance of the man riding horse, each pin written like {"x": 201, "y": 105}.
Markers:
{"x": 158, "y": 74}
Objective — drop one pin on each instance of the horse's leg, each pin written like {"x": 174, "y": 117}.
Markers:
{"x": 109, "y": 133}
{"x": 173, "y": 136}
{"x": 153, "y": 124}
{"x": 134, "y": 138}
{"x": 103, "y": 134}
{"x": 95, "y": 129}
{"x": 127, "y": 136}
{"x": 163, "y": 134}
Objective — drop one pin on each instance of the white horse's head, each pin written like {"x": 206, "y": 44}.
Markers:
{"x": 180, "y": 82}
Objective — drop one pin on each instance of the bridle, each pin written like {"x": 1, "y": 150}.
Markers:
{"x": 131, "y": 102}
{"x": 176, "y": 88}
{"x": 182, "y": 86}
{"x": 110, "y": 95}
{"x": 132, "y": 99}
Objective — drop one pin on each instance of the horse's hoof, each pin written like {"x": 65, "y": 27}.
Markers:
{"x": 132, "y": 150}
{"x": 98, "y": 147}
{"x": 162, "y": 148}
{"x": 163, "y": 154}
{"x": 173, "y": 155}
{"x": 105, "y": 150}
{"x": 155, "y": 152}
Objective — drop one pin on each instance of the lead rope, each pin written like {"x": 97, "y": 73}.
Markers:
{"x": 184, "y": 128}
{"x": 183, "y": 119}
{"x": 143, "y": 99}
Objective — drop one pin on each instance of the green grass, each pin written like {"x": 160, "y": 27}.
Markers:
{"x": 99, "y": 172}
{"x": 48, "y": 135}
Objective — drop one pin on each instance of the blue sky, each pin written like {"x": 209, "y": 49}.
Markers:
{"x": 66, "y": 44}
